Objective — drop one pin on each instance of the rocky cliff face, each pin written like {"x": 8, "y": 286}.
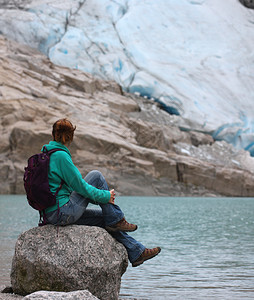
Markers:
{"x": 139, "y": 148}
{"x": 195, "y": 57}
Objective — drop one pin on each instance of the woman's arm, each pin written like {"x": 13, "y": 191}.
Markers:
{"x": 72, "y": 177}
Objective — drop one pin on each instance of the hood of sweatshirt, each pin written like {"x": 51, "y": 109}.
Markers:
{"x": 53, "y": 145}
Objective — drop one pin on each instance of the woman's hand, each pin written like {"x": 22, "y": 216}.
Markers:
{"x": 112, "y": 197}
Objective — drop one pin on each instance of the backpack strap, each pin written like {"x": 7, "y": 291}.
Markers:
{"x": 43, "y": 219}
{"x": 60, "y": 186}
{"x": 44, "y": 149}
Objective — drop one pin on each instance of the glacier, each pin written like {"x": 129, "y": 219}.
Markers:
{"x": 194, "y": 57}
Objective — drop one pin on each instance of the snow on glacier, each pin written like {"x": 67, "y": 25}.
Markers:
{"x": 195, "y": 57}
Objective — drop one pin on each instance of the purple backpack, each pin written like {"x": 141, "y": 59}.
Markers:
{"x": 36, "y": 181}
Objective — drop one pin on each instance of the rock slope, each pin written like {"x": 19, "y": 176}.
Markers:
{"x": 196, "y": 57}
{"x": 139, "y": 148}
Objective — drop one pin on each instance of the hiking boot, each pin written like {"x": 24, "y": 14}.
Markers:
{"x": 122, "y": 225}
{"x": 147, "y": 254}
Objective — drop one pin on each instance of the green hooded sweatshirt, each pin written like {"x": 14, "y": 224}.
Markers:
{"x": 62, "y": 167}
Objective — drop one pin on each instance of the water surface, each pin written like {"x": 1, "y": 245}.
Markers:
{"x": 207, "y": 245}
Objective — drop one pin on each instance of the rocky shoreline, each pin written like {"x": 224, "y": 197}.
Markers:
{"x": 140, "y": 148}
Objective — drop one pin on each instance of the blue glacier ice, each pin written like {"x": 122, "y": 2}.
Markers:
{"x": 196, "y": 58}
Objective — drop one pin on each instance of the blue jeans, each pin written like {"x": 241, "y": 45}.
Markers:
{"x": 75, "y": 211}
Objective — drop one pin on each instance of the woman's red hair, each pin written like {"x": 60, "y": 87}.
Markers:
{"x": 63, "y": 131}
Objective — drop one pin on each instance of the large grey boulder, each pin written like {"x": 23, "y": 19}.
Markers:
{"x": 75, "y": 258}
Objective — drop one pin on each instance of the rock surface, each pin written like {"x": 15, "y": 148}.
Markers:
{"x": 82, "y": 295}
{"x": 140, "y": 149}
{"x": 77, "y": 258}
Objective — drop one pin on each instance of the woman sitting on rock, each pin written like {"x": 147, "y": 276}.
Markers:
{"x": 76, "y": 193}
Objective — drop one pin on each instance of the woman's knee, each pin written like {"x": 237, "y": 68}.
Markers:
{"x": 93, "y": 175}
{"x": 96, "y": 179}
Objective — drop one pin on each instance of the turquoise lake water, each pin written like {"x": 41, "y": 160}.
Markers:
{"x": 207, "y": 245}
